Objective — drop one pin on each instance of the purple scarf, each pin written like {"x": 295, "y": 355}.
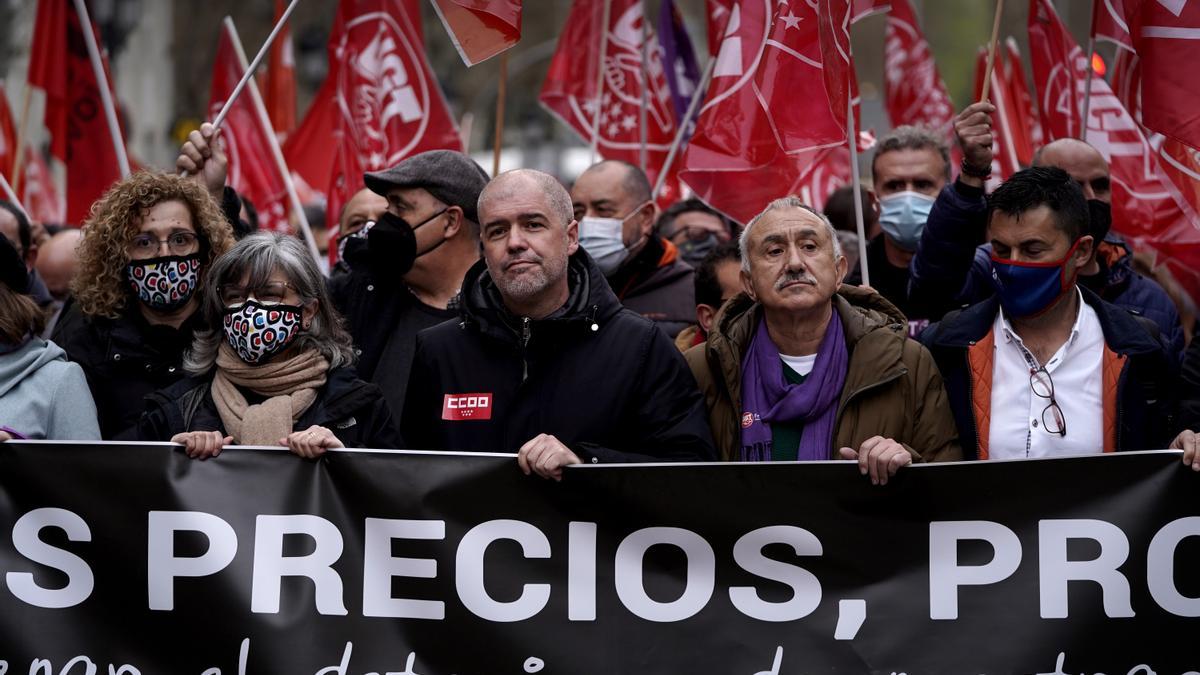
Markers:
{"x": 767, "y": 397}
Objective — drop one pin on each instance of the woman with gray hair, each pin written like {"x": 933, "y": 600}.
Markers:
{"x": 271, "y": 365}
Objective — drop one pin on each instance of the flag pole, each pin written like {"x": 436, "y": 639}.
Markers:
{"x": 645, "y": 103}
{"x": 600, "y": 79}
{"x": 110, "y": 110}
{"x": 260, "y": 111}
{"x": 11, "y": 195}
{"x": 991, "y": 59}
{"x": 19, "y": 158}
{"x": 498, "y": 141}
{"x": 693, "y": 105}
{"x": 1087, "y": 88}
{"x": 857, "y": 186}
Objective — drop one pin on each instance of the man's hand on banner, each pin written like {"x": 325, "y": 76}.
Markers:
{"x": 973, "y": 128}
{"x": 5, "y": 436}
{"x": 879, "y": 457}
{"x": 1189, "y": 443}
{"x": 202, "y": 444}
{"x": 203, "y": 158}
{"x": 546, "y": 456}
{"x": 312, "y": 442}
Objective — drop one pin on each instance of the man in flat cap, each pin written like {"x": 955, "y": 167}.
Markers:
{"x": 408, "y": 266}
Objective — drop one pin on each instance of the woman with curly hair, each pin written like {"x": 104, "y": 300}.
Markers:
{"x": 146, "y": 249}
{"x": 271, "y": 365}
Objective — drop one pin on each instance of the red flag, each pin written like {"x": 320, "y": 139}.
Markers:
{"x": 864, "y": 8}
{"x": 756, "y": 139}
{"x": 480, "y": 29}
{"x": 1026, "y": 126}
{"x": 1005, "y": 158}
{"x": 388, "y": 104}
{"x": 279, "y": 94}
{"x": 912, "y": 88}
{"x": 79, "y": 133}
{"x": 308, "y": 150}
{"x": 39, "y": 194}
{"x": 251, "y": 169}
{"x": 717, "y": 13}
{"x": 569, "y": 91}
{"x": 1147, "y": 209}
{"x": 1166, "y": 36}
{"x": 8, "y": 137}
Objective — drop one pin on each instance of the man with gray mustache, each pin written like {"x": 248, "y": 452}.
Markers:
{"x": 800, "y": 367}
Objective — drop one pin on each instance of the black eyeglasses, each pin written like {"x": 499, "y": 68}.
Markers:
{"x": 1043, "y": 387}
{"x": 270, "y": 293}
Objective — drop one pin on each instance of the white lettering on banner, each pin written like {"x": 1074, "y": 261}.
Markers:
{"x": 379, "y": 568}
{"x": 270, "y": 565}
{"x": 162, "y": 566}
{"x": 469, "y": 570}
{"x": 581, "y": 571}
{"x": 806, "y": 589}
{"x": 946, "y": 575}
{"x": 80, "y": 580}
{"x": 700, "y": 576}
{"x": 1160, "y": 567}
{"x": 1054, "y": 570}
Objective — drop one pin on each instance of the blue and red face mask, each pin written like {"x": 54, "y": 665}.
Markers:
{"x": 1029, "y": 288}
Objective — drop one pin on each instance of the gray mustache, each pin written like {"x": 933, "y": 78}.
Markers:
{"x": 794, "y": 277}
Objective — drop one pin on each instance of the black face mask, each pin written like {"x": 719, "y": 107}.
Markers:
{"x": 392, "y": 246}
{"x": 353, "y": 251}
{"x": 1099, "y": 220}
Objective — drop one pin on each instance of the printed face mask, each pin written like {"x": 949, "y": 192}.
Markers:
{"x": 257, "y": 332}
{"x": 603, "y": 239}
{"x": 165, "y": 283}
{"x": 1027, "y": 289}
{"x": 902, "y": 217}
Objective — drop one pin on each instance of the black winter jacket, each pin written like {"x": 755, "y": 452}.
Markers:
{"x": 125, "y": 359}
{"x": 603, "y": 380}
{"x": 352, "y": 409}
{"x": 1146, "y": 389}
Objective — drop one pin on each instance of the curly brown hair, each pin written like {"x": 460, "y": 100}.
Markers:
{"x": 99, "y": 285}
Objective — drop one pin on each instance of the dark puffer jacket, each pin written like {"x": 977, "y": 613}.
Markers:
{"x": 603, "y": 380}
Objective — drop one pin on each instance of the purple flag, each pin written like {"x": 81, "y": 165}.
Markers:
{"x": 679, "y": 59}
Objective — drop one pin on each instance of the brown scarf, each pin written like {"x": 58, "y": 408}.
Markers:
{"x": 290, "y": 385}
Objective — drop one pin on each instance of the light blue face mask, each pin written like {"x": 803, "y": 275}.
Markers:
{"x": 902, "y": 217}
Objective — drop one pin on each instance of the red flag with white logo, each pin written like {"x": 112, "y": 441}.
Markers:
{"x": 480, "y": 29}
{"x": 613, "y": 113}
{"x": 1005, "y": 158}
{"x": 1166, "y": 36}
{"x": 1147, "y": 208}
{"x": 251, "y": 170}
{"x": 279, "y": 92}
{"x": 778, "y": 95}
{"x": 308, "y": 150}
{"x": 913, "y": 90}
{"x": 1027, "y": 126}
{"x": 388, "y": 105}
{"x": 80, "y": 136}
{"x": 39, "y": 194}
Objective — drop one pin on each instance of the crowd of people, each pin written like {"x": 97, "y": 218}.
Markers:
{"x": 581, "y": 325}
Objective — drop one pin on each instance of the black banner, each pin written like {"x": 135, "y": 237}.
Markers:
{"x": 132, "y": 559}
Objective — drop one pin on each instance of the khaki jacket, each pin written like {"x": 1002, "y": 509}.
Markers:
{"x": 893, "y": 389}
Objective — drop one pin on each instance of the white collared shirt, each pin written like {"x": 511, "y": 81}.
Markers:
{"x": 1016, "y": 428}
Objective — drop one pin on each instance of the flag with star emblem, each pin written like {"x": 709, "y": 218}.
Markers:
{"x": 1147, "y": 208}
{"x": 913, "y": 91}
{"x": 612, "y": 112}
{"x": 779, "y": 95}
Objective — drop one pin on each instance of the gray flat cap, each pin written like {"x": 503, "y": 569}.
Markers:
{"x": 451, "y": 177}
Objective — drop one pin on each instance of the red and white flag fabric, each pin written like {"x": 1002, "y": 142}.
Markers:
{"x": 1147, "y": 208}
{"x": 717, "y": 14}
{"x": 864, "y": 8}
{"x": 1165, "y": 34}
{"x": 279, "y": 90}
{"x": 252, "y": 172}
{"x": 612, "y": 113}
{"x": 80, "y": 135}
{"x": 913, "y": 91}
{"x": 1005, "y": 157}
{"x": 8, "y": 137}
{"x": 779, "y": 94}
{"x": 480, "y": 29}
{"x": 39, "y": 194}
{"x": 1027, "y": 126}
{"x": 388, "y": 105}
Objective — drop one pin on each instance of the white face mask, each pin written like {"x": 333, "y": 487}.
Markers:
{"x": 603, "y": 239}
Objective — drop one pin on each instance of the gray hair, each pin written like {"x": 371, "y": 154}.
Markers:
{"x": 913, "y": 137}
{"x": 257, "y": 256}
{"x": 557, "y": 195}
{"x": 779, "y": 205}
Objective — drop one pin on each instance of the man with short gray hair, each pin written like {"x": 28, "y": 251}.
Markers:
{"x": 798, "y": 369}
{"x": 543, "y": 360}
